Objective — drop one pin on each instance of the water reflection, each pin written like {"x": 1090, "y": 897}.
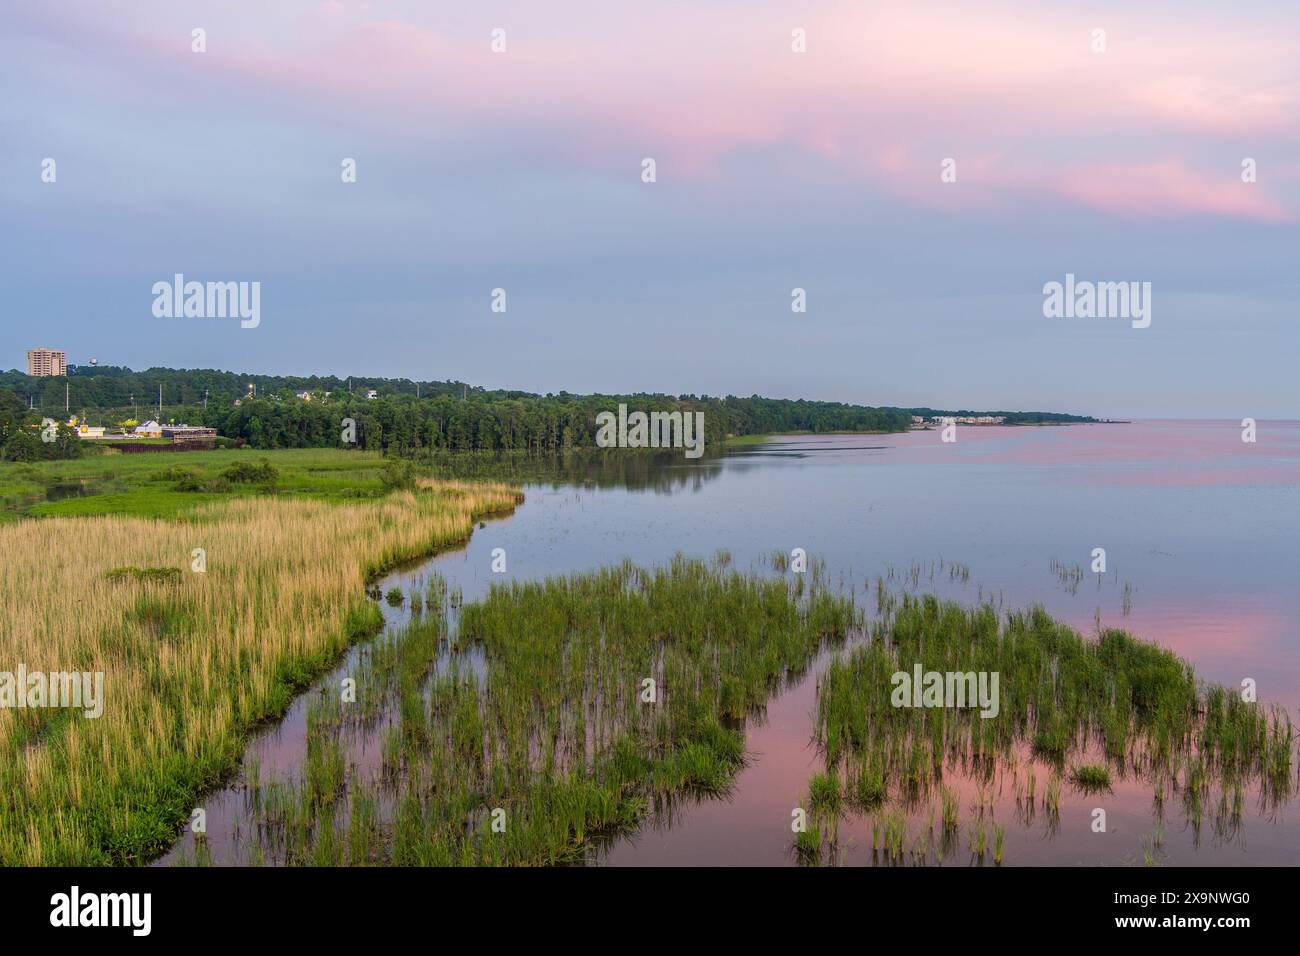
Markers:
{"x": 1198, "y": 529}
{"x": 662, "y": 472}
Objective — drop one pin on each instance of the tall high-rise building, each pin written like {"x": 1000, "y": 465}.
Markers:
{"x": 47, "y": 362}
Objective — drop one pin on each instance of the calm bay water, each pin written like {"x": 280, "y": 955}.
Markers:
{"x": 1199, "y": 532}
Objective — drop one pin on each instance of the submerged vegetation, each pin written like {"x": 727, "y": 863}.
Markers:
{"x": 1113, "y": 705}
{"x": 1091, "y": 777}
{"x": 552, "y": 716}
{"x": 536, "y": 725}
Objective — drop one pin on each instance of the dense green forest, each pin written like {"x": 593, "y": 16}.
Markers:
{"x": 404, "y": 416}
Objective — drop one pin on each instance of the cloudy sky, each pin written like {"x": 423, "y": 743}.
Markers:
{"x": 775, "y": 170}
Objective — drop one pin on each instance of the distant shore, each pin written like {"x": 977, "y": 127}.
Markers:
{"x": 742, "y": 440}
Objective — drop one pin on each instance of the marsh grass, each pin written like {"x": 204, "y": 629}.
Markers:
{"x": 180, "y": 484}
{"x": 192, "y": 662}
{"x": 824, "y": 791}
{"x": 808, "y": 845}
{"x": 1063, "y": 697}
{"x": 951, "y": 810}
{"x": 144, "y": 575}
{"x": 1091, "y": 778}
{"x": 1069, "y": 576}
{"x": 552, "y": 727}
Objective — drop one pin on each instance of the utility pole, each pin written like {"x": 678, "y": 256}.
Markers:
{"x": 160, "y": 403}
{"x": 205, "y": 399}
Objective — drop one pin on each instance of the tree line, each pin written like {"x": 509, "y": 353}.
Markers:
{"x": 406, "y": 416}
{"x": 487, "y": 422}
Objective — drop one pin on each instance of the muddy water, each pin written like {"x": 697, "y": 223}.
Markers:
{"x": 1199, "y": 536}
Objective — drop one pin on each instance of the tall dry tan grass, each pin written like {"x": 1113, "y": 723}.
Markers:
{"x": 189, "y": 667}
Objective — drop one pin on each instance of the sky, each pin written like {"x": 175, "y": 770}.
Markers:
{"x": 1114, "y": 156}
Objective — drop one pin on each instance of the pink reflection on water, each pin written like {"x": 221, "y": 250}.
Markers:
{"x": 1210, "y": 585}
{"x": 1196, "y": 452}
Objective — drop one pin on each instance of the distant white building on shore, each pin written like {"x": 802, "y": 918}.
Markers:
{"x": 968, "y": 419}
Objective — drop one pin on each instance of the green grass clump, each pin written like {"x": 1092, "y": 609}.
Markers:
{"x": 147, "y": 575}
{"x": 951, "y": 810}
{"x": 870, "y": 787}
{"x": 1061, "y": 696}
{"x": 1091, "y": 776}
{"x": 824, "y": 791}
{"x": 247, "y": 472}
{"x": 808, "y": 845}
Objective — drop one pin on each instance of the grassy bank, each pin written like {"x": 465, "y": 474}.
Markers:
{"x": 174, "y": 484}
{"x": 191, "y": 660}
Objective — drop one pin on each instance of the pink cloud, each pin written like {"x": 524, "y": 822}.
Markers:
{"x": 1012, "y": 92}
{"x": 1200, "y": 103}
{"x": 1169, "y": 188}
